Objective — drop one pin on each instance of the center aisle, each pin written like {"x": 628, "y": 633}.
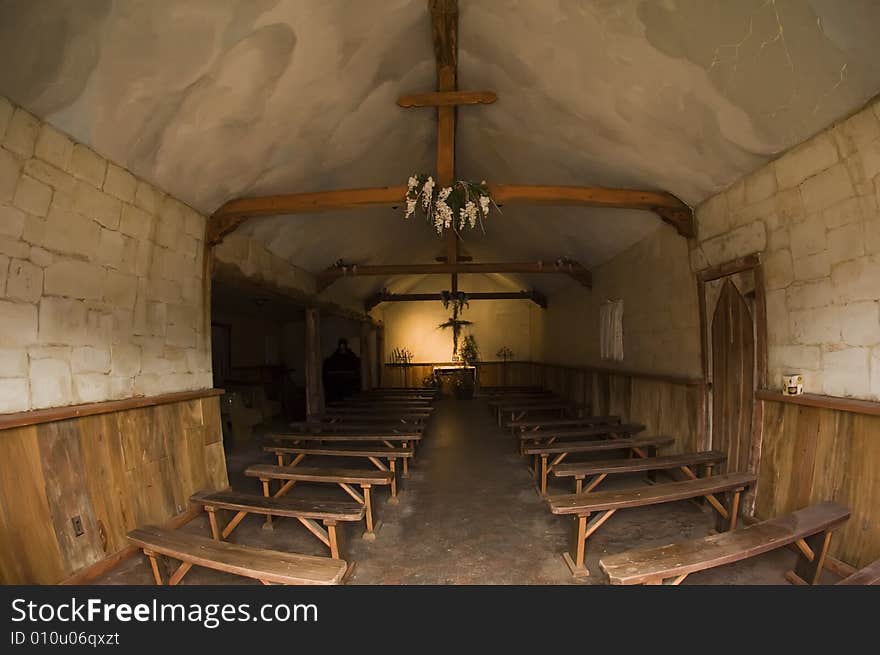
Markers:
{"x": 469, "y": 513}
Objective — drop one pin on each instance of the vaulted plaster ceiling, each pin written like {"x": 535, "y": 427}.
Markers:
{"x": 213, "y": 99}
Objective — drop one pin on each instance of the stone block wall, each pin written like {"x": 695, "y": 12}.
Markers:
{"x": 815, "y": 215}
{"x": 661, "y": 321}
{"x": 102, "y": 290}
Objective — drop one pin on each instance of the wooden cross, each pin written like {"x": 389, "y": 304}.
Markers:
{"x": 444, "y": 24}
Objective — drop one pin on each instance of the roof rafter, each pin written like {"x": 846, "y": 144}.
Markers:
{"x": 563, "y": 267}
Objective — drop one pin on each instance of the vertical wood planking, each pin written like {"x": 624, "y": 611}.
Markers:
{"x": 29, "y": 550}
{"x": 115, "y": 470}
{"x": 812, "y": 454}
{"x": 68, "y": 495}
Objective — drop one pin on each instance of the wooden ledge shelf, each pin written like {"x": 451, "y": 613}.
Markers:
{"x": 854, "y": 405}
{"x": 37, "y": 416}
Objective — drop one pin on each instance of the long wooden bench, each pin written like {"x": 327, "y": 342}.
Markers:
{"x": 809, "y": 528}
{"x": 381, "y": 410}
{"x": 405, "y": 440}
{"x": 517, "y": 410}
{"x": 606, "y": 503}
{"x": 267, "y": 566}
{"x": 642, "y": 446}
{"x": 345, "y": 478}
{"x": 552, "y": 435}
{"x": 374, "y": 454}
{"x": 603, "y": 468}
{"x": 536, "y": 424}
{"x": 395, "y": 427}
{"x": 365, "y": 414}
{"x": 306, "y": 511}
{"x": 406, "y": 420}
{"x": 868, "y": 575}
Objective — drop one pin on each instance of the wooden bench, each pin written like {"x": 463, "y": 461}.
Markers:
{"x": 356, "y": 427}
{"x": 345, "y": 478}
{"x": 405, "y": 439}
{"x": 366, "y": 414}
{"x": 642, "y": 446}
{"x": 267, "y": 566}
{"x": 606, "y": 503}
{"x": 375, "y": 455}
{"x": 406, "y": 420}
{"x": 869, "y": 575}
{"x": 809, "y": 528}
{"x": 519, "y": 409}
{"x": 534, "y": 425}
{"x": 306, "y": 511}
{"x": 379, "y": 410}
{"x": 552, "y": 435}
{"x": 603, "y": 468}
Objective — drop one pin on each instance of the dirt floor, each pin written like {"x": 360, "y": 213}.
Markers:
{"x": 468, "y": 514}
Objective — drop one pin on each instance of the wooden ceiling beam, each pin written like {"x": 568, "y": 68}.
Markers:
{"x": 564, "y": 267}
{"x": 667, "y": 206}
{"x": 231, "y": 214}
{"x": 447, "y": 99}
{"x": 534, "y": 295}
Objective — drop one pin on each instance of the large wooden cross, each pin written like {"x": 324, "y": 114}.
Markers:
{"x": 444, "y": 22}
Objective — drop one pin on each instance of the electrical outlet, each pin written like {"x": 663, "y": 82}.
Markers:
{"x": 77, "y": 526}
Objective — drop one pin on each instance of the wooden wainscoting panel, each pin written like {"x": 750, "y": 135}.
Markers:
{"x": 29, "y": 551}
{"x": 68, "y": 494}
{"x": 211, "y": 420}
{"x": 812, "y": 454}
{"x": 106, "y": 479}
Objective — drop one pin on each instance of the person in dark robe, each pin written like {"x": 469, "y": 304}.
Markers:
{"x": 341, "y": 373}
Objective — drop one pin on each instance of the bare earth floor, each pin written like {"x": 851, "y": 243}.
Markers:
{"x": 469, "y": 514}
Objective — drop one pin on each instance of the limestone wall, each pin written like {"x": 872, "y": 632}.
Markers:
{"x": 814, "y": 213}
{"x": 102, "y": 291}
{"x": 661, "y": 324}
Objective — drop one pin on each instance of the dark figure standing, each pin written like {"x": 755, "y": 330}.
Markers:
{"x": 341, "y": 373}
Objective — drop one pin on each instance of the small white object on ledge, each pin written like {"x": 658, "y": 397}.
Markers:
{"x": 792, "y": 385}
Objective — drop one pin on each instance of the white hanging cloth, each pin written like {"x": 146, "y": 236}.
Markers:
{"x": 611, "y": 330}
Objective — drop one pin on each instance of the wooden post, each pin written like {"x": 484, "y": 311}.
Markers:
{"x": 366, "y": 357}
{"x": 380, "y": 355}
{"x": 314, "y": 384}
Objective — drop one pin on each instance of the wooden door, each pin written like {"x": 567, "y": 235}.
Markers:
{"x": 733, "y": 377}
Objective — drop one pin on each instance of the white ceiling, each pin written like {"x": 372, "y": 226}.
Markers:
{"x": 213, "y": 99}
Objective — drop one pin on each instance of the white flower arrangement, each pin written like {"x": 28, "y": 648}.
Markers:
{"x": 456, "y": 207}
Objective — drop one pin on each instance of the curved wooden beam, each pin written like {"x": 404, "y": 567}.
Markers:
{"x": 235, "y": 212}
{"x": 667, "y": 206}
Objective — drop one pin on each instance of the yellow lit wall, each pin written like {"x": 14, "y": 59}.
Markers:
{"x": 497, "y": 323}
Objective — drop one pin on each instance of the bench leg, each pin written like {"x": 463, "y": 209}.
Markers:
{"x": 576, "y": 564}
{"x": 154, "y": 565}
{"x": 807, "y": 570}
{"x": 333, "y": 538}
{"x": 233, "y": 523}
{"x": 370, "y": 534}
{"x": 181, "y": 571}
{"x": 212, "y": 519}
{"x": 543, "y": 475}
{"x": 268, "y": 524}
{"x": 734, "y": 509}
{"x": 578, "y": 485}
{"x": 394, "y": 500}
{"x": 595, "y": 482}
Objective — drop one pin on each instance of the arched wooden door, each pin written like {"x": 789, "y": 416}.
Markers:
{"x": 733, "y": 375}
